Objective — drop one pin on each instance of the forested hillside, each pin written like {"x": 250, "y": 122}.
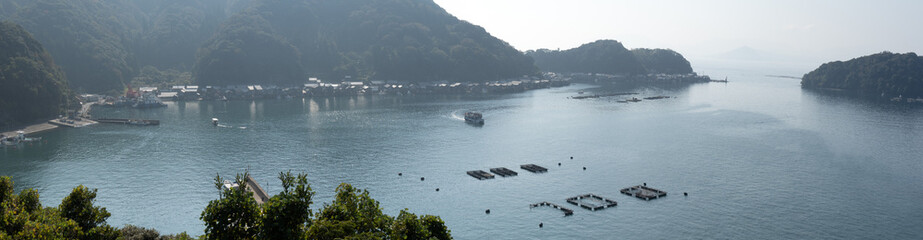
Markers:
{"x": 883, "y": 74}
{"x": 103, "y": 45}
{"x": 31, "y": 86}
{"x": 378, "y": 39}
{"x": 611, "y": 57}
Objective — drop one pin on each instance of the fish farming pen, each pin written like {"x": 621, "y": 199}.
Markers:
{"x": 643, "y": 192}
{"x": 503, "y": 172}
{"x": 533, "y": 168}
{"x": 567, "y": 211}
{"x": 480, "y": 174}
{"x": 595, "y": 202}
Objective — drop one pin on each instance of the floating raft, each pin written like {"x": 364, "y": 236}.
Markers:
{"x": 596, "y": 202}
{"x": 480, "y": 175}
{"x": 533, "y": 168}
{"x": 503, "y": 172}
{"x": 643, "y": 192}
{"x": 567, "y": 211}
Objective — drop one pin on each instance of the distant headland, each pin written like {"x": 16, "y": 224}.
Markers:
{"x": 884, "y": 75}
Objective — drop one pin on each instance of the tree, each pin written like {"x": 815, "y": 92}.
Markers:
{"x": 234, "y": 215}
{"x": 78, "y": 206}
{"x": 353, "y": 214}
{"x": 287, "y": 214}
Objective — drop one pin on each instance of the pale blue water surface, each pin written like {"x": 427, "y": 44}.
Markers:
{"x": 759, "y": 157}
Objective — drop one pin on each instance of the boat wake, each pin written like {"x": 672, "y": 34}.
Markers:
{"x": 458, "y": 115}
{"x": 226, "y": 126}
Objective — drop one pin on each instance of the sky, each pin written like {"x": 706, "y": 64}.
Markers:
{"x": 785, "y": 30}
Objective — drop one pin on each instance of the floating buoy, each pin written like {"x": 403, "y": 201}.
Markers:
{"x": 437, "y": 189}
{"x": 540, "y": 225}
{"x": 685, "y": 194}
{"x": 400, "y": 174}
{"x": 422, "y": 178}
{"x": 584, "y": 168}
{"x": 571, "y": 157}
{"x": 488, "y": 211}
{"x": 559, "y": 164}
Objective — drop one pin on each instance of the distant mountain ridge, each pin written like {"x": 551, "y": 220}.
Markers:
{"x": 611, "y": 57}
{"x": 883, "y": 74}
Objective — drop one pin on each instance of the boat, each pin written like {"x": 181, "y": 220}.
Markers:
{"x": 473, "y": 118}
{"x": 215, "y": 121}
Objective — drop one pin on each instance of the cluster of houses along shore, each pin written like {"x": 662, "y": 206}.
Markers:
{"x": 318, "y": 88}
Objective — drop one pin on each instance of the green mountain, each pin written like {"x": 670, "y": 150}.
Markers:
{"x": 662, "y": 61}
{"x": 882, "y": 74}
{"x": 285, "y": 41}
{"x": 610, "y": 57}
{"x": 103, "y": 45}
{"x": 31, "y": 86}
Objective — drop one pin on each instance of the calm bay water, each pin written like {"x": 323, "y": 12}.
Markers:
{"x": 759, "y": 157}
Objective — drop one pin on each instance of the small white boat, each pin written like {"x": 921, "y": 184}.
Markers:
{"x": 215, "y": 121}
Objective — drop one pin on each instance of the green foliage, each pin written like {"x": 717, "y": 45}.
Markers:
{"x": 78, "y": 206}
{"x": 31, "y": 86}
{"x": 234, "y": 215}
{"x": 132, "y": 232}
{"x": 22, "y": 217}
{"x": 352, "y": 214}
{"x": 882, "y": 74}
{"x": 287, "y": 214}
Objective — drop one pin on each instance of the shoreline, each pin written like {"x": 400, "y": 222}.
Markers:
{"x": 32, "y": 129}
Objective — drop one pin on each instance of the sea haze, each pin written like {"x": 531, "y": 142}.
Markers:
{"x": 759, "y": 157}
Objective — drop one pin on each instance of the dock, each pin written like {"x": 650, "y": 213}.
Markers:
{"x": 72, "y": 123}
{"x": 33, "y": 129}
{"x": 533, "y": 168}
{"x": 503, "y": 172}
{"x": 258, "y": 193}
{"x": 592, "y": 202}
{"x": 143, "y": 122}
{"x": 643, "y": 192}
{"x": 567, "y": 211}
{"x": 480, "y": 174}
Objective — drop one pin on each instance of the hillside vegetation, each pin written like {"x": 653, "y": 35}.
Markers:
{"x": 883, "y": 74}
{"x": 282, "y": 41}
{"x": 611, "y": 57}
{"x": 31, "y": 85}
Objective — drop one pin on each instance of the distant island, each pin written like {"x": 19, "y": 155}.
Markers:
{"x": 887, "y": 75}
{"x": 610, "y": 59}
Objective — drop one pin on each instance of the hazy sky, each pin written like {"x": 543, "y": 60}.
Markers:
{"x": 803, "y": 30}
